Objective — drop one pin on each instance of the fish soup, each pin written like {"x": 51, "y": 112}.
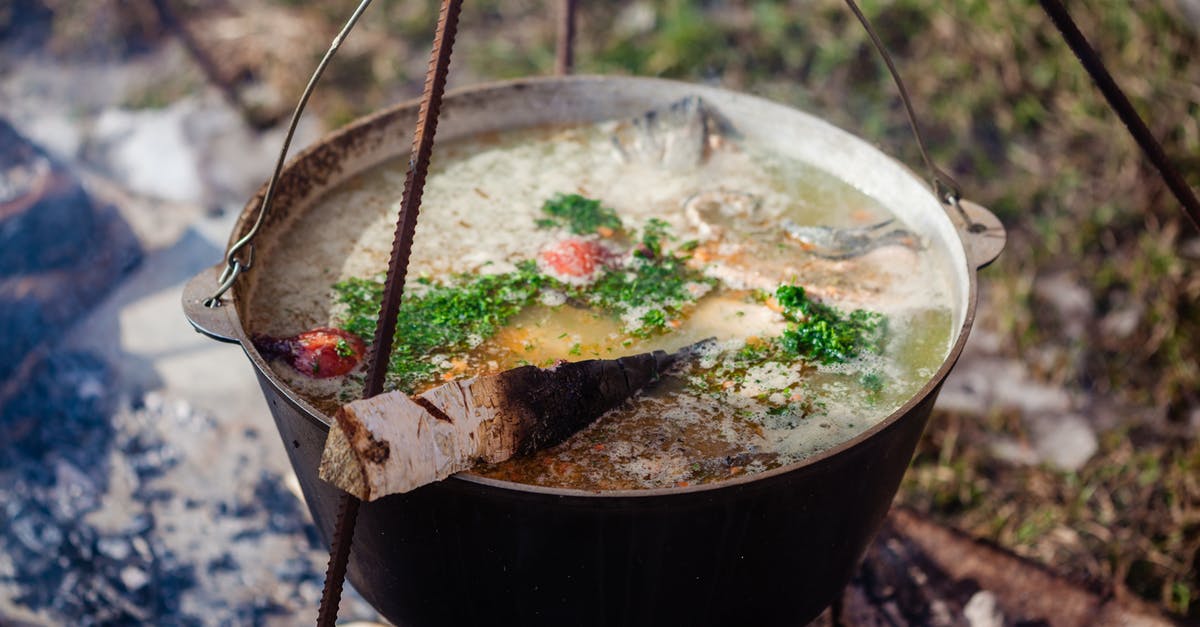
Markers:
{"x": 813, "y": 311}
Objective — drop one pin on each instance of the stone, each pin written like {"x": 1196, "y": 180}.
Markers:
{"x": 983, "y": 610}
{"x": 1119, "y": 324}
{"x": 981, "y": 384}
{"x": 1070, "y": 305}
{"x": 1190, "y": 248}
{"x": 197, "y": 151}
{"x": 150, "y": 152}
{"x": 59, "y": 253}
{"x": 45, "y": 216}
{"x": 1191, "y": 10}
{"x": 1014, "y": 451}
{"x": 1065, "y": 441}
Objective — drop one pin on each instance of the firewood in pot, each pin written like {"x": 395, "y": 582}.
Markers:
{"x": 394, "y": 443}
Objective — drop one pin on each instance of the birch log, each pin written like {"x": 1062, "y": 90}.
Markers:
{"x": 394, "y": 443}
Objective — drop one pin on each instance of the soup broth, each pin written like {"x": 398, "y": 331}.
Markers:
{"x": 814, "y": 313}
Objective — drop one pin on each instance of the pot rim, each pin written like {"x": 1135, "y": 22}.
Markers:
{"x": 230, "y": 327}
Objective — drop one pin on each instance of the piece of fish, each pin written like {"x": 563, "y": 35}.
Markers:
{"x": 845, "y": 243}
{"x": 714, "y": 211}
{"x": 394, "y": 443}
{"x": 677, "y": 136}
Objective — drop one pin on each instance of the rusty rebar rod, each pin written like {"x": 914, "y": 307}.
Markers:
{"x": 393, "y": 291}
{"x": 565, "y": 54}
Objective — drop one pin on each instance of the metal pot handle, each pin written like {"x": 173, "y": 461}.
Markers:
{"x": 983, "y": 235}
{"x": 219, "y": 323}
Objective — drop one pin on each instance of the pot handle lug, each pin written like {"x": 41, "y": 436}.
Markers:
{"x": 982, "y": 234}
{"x": 221, "y": 322}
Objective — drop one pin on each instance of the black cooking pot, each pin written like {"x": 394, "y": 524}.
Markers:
{"x": 766, "y": 549}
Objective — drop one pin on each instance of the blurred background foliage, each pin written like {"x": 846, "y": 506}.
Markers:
{"x": 1007, "y": 110}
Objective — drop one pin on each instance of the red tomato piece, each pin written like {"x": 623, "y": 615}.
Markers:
{"x": 325, "y": 352}
{"x": 574, "y": 258}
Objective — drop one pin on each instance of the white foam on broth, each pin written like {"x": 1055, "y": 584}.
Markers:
{"x": 478, "y": 214}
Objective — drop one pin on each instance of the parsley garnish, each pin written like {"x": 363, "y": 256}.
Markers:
{"x": 442, "y": 320}
{"x": 658, "y": 280}
{"x": 581, "y": 215}
{"x": 824, "y": 333}
{"x": 445, "y": 319}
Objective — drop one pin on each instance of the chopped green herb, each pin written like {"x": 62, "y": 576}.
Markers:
{"x": 575, "y": 349}
{"x": 342, "y": 348}
{"x": 652, "y": 321}
{"x": 825, "y": 333}
{"x": 658, "y": 279}
{"x": 441, "y": 320}
{"x": 581, "y": 215}
{"x": 872, "y": 382}
{"x": 446, "y": 318}
{"x": 653, "y": 236}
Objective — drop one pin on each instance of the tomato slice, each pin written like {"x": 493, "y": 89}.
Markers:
{"x": 321, "y": 353}
{"x": 574, "y": 260}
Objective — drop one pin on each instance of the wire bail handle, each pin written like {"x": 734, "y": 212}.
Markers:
{"x": 234, "y": 267}
{"x": 943, "y": 185}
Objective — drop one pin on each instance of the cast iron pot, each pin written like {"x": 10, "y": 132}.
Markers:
{"x": 767, "y": 549}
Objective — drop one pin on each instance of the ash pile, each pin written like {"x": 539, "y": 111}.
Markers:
{"x": 120, "y": 501}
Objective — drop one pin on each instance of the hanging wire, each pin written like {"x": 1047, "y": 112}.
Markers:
{"x": 1124, "y": 109}
{"x": 944, "y": 185}
{"x": 393, "y": 289}
{"x": 234, "y": 266}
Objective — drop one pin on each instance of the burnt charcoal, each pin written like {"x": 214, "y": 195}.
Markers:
{"x": 59, "y": 435}
{"x": 284, "y": 513}
{"x": 25, "y": 24}
{"x": 22, "y": 327}
{"x": 147, "y": 458}
{"x": 223, "y": 563}
{"x": 36, "y": 532}
{"x": 63, "y": 440}
{"x": 76, "y": 493}
{"x": 295, "y": 570}
{"x": 248, "y": 534}
{"x": 46, "y": 218}
{"x": 63, "y": 410}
